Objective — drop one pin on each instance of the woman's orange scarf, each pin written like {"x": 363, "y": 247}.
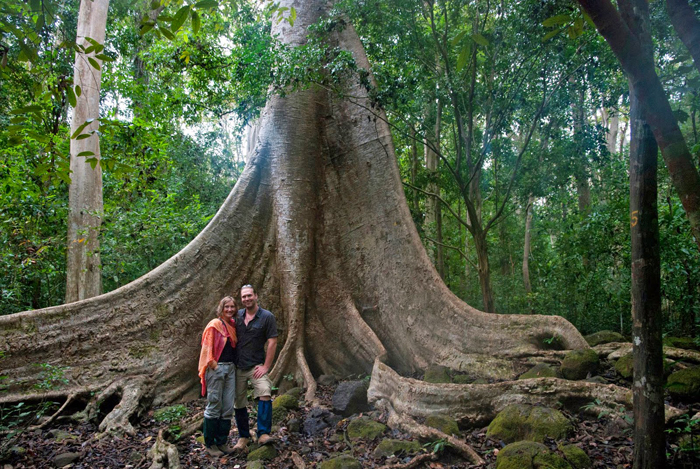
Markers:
{"x": 213, "y": 342}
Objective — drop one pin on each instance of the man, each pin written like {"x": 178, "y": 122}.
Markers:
{"x": 255, "y": 328}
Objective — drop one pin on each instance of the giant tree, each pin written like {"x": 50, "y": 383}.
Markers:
{"x": 318, "y": 221}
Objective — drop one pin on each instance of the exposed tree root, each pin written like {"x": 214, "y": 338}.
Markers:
{"x": 407, "y": 424}
{"x": 615, "y": 350}
{"x": 135, "y": 395}
{"x": 192, "y": 425}
{"x": 415, "y": 462}
{"x": 163, "y": 453}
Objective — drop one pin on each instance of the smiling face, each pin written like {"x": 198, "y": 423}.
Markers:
{"x": 249, "y": 298}
{"x": 228, "y": 310}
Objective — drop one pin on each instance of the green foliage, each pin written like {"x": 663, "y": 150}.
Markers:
{"x": 51, "y": 376}
{"x": 170, "y": 414}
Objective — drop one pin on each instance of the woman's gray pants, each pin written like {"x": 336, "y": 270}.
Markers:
{"x": 221, "y": 390}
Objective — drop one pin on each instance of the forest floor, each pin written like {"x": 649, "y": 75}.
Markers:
{"x": 607, "y": 440}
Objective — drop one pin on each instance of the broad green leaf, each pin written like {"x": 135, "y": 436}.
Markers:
{"x": 72, "y": 100}
{"x": 205, "y": 4}
{"x": 83, "y": 136}
{"x": 463, "y": 56}
{"x": 86, "y": 153}
{"x": 479, "y": 39}
{"x": 94, "y": 63}
{"x": 93, "y": 162}
{"x": 458, "y": 38}
{"x": 81, "y": 128}
{"x": 166, "y": 32}
{"x": 556, "y": 20}
{"x": 179, "y": 18}
{"x": 551, "y": 34}
{"x": 26, "y": 109}
{"x": 292, "y": 15}
{"x": 78, "y": 90}
{"x": 196, "y": 22}
{"x": 146, "y": 27}
{"x": 589, "y": 20}
{"x": 155, "y": 4}
{"x": 104, "y": 58}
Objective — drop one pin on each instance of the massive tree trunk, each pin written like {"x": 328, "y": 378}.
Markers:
{"x": 83, "y": 267}
{"x": 657, "y": 110}
{"x": 318, "y": 222}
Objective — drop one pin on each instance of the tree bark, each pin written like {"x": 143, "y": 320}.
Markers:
{"x": 84, "y": 268}
{"x": 648, "y": 378}
{"x": 657, "y": 110}
{"x": 526, "y": 245}
{"x": 319, "y": 223}
{"x": 686, "y": 25}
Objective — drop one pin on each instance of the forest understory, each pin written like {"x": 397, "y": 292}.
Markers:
{"x": 603, "y": 433}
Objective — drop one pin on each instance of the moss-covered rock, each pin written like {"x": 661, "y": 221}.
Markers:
{"x": 604, "y": 337}
{"x": 255, "y": 465}
{"x": 525, "y": 422}
{"x": 685, "y": 384}
{"x": 541, "y": 370}
{"x": 264, "y": 452}
{"x": 549, "y": 460}
{"x": 443, "y": 423}
{"x": 577, "y": 364}
{"x": 279, "y": 415}
{"x": 576, "y": 457}
{"x": 395, "y": 447}
{"x": 687, "y": 343}
{"x": 285, "y": 401}
{"x": 296, "y": 392}
{"x": 344, "y": 461}
{"x": 365, "y": 428}
{"x": 624, "y": 366}
{"x": 437, "y": 374}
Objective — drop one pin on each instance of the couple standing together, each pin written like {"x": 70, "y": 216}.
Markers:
{"x": 233, "y": 352}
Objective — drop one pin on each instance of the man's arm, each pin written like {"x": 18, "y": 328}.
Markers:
{"x": 260, "y": 370}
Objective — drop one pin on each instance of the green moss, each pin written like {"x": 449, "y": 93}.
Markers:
{"x": 265, "y": 452}
{"x": 525, "y": 422}
{"x": 295, "y": 392}
{"x": 443, "y": 423}
{"x": 461, "y": 379}
{"x": 604, "y": 337}
{"x": 540, "y": 370}
{"x": 519, "y": 455}
{"x": 341, "y": 462}
{"x": 625, "y": 366}
{"x": 547, "y": 460}
{"x": 576, "y": 456}
{"x": 437, "y": 374}
{"x": 142, "y": 350}
{"x": 395, "y": 447}
{"x": 162, "y": 312}
{"x": 363, "y": 427}
{"x": 279, "y": 414}
{"x": 687, "y": 343}
{"x": 255, "y": 465}
{"x": 577, "y": 364}
{"x": 685, "y": 384}
{"x": 285, "y": 401}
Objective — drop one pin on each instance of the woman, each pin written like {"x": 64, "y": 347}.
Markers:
{"x": 217, "y": 373}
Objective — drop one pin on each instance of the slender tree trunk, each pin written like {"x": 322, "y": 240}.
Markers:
{"x": 648, "y": 382}
{"x": 657, "y": 110}
{"x": 434, "y": 213}
{"x": 481, "y": 247}
{"x": 84, "y": 269}
{"x": 526, "y": 245}
{"x": 648, "y": 388}
{"x": 686, "y": 25}
{"x": 583, "y": 187}
{"x": 415, "y": 207}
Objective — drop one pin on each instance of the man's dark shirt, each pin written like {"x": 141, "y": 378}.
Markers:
{"x": 252, "y": 338}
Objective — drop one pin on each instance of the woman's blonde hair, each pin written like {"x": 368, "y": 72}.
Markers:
{"x": 224, "y": 300}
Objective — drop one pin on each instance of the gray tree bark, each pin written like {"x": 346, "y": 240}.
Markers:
{"x": 84, "y": 268}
